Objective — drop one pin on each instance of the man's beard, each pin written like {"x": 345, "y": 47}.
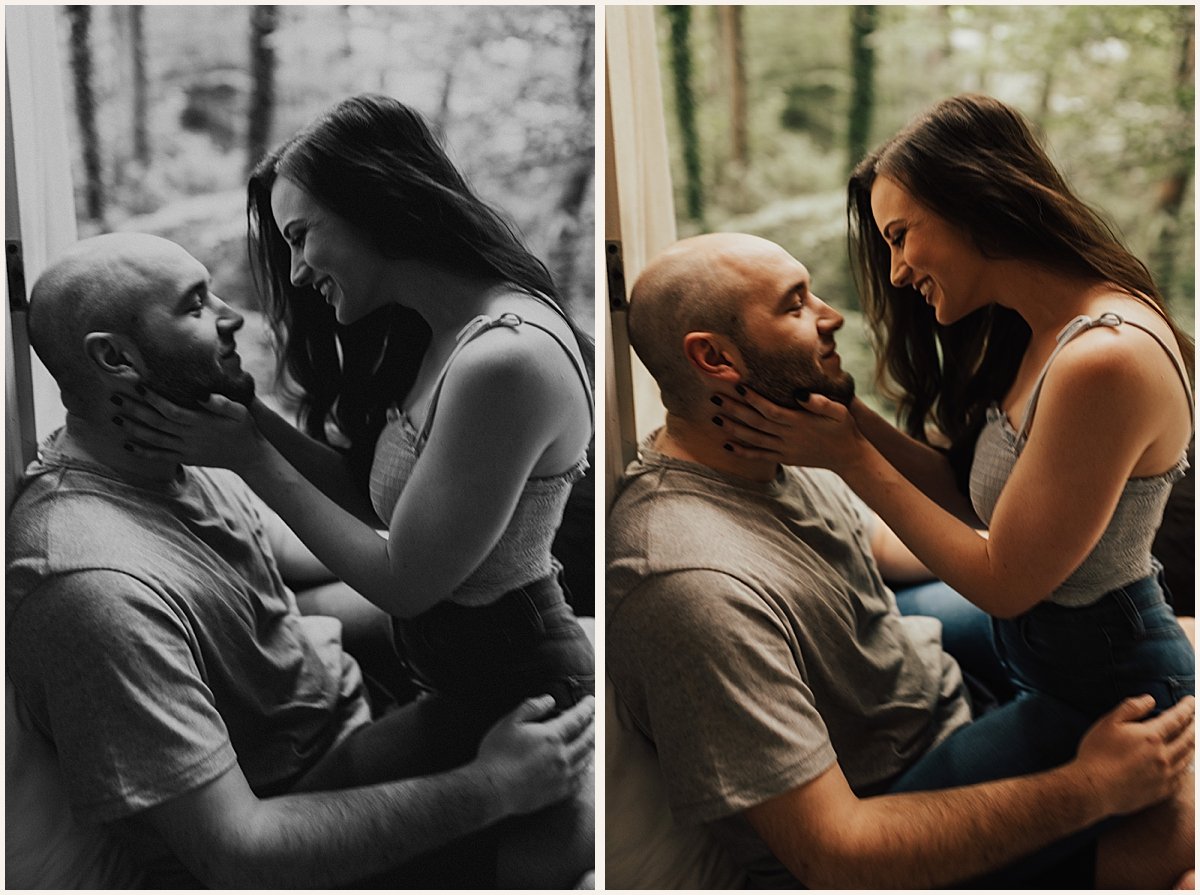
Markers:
{"x": 780, "y": 375}
{"x": 188, "y": 380}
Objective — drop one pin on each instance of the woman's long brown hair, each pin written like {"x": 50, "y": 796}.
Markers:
{"x": 975, "y": 162}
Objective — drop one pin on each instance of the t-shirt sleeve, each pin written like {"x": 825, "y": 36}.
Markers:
{"x": 711, "y": 673}
{"x": 113, "y": 675}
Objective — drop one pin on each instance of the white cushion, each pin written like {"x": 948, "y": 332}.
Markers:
{"x": 44, "y": 846}
{"x": 644, "y": 847}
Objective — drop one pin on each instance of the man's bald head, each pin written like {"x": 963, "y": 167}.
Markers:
{"x": 135, "y": 309}
{"x": 697, "y": 284}
{"x": 101, "y": 284}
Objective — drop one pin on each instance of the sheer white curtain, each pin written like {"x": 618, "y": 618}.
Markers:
{"x": 39, "y": 213}
{"x": 639, "y": 212}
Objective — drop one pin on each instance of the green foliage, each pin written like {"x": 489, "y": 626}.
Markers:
{"x": 1103, "y": 84}
{"x": 685, "y": 107}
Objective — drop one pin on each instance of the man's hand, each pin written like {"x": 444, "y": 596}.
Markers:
{"x": 532, "y": 763}
{"x": 1134, "y": 763}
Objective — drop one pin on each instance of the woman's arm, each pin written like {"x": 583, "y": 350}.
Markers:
{"x": 923, "y": 465}
{"x": 321, "y": 464}
{"x": 499, "y": 412}
{"x": 1096, "y": 416}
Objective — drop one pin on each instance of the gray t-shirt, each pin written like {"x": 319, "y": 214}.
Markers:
{"x": 153, "y": 641}
{"x": 754, "y": 642}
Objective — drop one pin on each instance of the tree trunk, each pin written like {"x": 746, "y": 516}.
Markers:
{"x": 564, "y": 256}
{"x": 730, "y": 18}
{"x": 679, "y": 18}
{"x": 263, "y": 20}
{"x": 85, "y": 109}
{"x": 137, "y": 46}
{"x": 1173, "y": 188}
{"x": 863, "y": 21}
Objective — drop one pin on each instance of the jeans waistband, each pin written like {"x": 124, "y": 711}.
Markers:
{"x": 1128, "y": 602}
{"x": 521, "y": 607}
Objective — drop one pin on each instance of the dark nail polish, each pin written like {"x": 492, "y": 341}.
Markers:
{"x": 740, "y": 389}
{"x": 718, "y": 421}
{"x": 116, "y": 399}
{"x": 716, "y": 399}
{"x": 118, "y": 421}
{"x": 727, "y": 446}
{"x": 800, "y": 395}
{"x": 140, "y": 389}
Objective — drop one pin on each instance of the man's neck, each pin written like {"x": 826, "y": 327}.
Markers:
{"x": 87, "y": 440}
{"x": 703, "y": 443}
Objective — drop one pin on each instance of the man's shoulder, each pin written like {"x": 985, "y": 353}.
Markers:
{"x": 68, "y": 521}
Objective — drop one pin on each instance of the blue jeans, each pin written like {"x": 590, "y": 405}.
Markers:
{"x": 1126, "y": 644}
{"x": 1008, "y": 738}
{"x": 1032, "y": 733}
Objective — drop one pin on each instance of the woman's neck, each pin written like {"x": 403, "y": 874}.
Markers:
{"x": 1046, "y": 299}
{"x": 446, "y": 300}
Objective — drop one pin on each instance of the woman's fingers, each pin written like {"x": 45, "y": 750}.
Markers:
{"x": 134, "y": 430}
{"x": 147, "y": 452}
{"x": 750, "y": 453}
{"x": 750, "y": 436}
{"x": 223, "y": 406}
{"x": 819, "y": 405}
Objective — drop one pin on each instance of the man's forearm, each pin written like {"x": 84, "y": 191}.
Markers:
{"x": 927, "y": 839}
{"x": 328, "y": 839}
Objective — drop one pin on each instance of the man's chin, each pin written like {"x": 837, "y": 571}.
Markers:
{"x": 193, "y": 395}
{"x": 841, "y": 391}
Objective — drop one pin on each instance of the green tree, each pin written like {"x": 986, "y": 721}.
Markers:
{"x": 1173, "y": 187}
{"x": 680, "y": 18}
{"x": 863, "y": 21}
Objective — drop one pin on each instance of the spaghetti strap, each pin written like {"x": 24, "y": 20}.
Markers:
{"x": 473, "y": 330}
{"x": 1081, "y": 324}
{"x": 1177, "y": 363}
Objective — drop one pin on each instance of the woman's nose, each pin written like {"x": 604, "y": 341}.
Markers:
{"x": 300, "y": 272}
{"x": 901, "y": 272}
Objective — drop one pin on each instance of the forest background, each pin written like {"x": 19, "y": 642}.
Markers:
{"x": 173, "y": 105}
{"x": 769, "y": 107}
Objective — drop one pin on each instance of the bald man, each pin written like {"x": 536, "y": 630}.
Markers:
{"x": 222, "y": 737}
{"x": 826, "y": 740}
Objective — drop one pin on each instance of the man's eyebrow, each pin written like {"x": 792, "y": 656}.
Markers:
{"x": 802, "y": 286}
{"x": 189, "y": 292}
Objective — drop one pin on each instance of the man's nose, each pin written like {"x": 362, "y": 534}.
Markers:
{"x": 829, "y": 319}
{"x": 227, "y": 318}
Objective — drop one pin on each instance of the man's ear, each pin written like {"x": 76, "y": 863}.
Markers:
{"x": 713, "y": 355}
{"x": 114, "y": 355}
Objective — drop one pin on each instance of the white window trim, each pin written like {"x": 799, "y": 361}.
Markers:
{"x": 39, "y": 212}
